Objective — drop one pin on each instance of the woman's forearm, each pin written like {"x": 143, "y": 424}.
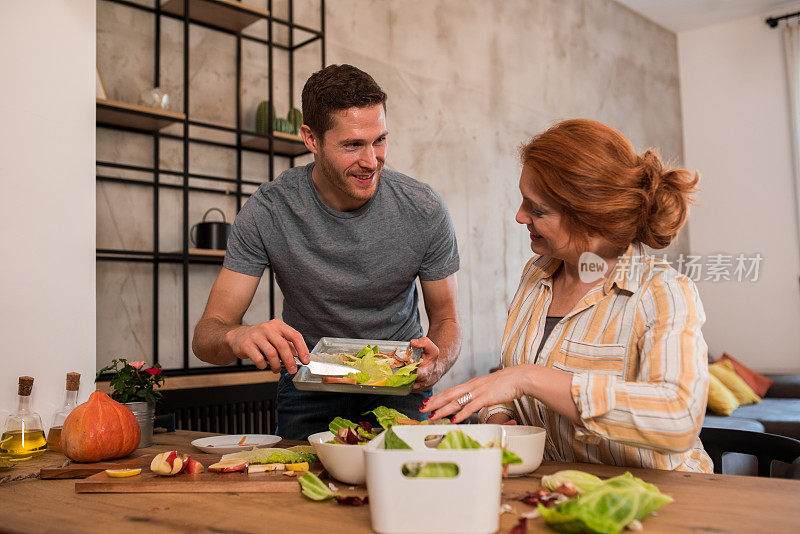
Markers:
{"x": 552, "y": 387}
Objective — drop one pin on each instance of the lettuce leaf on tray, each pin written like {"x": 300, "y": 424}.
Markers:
{"x": 372, "y": 368}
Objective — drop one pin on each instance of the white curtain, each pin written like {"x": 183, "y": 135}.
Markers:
{"x": 791, "y": 45}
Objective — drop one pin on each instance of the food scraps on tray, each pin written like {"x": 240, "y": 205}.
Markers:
{"x": 371, "y": 367}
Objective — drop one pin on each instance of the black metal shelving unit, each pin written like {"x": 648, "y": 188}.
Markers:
{"x": 230, "y": 17}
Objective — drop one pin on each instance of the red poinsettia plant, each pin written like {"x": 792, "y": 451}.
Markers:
{"x": 133, "y": 382}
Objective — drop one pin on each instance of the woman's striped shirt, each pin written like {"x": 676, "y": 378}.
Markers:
{"x": 638, "y": 361}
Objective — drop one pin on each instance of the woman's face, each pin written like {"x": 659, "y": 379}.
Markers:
{"x": 548, "y": 236}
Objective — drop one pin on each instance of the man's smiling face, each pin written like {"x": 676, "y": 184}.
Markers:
{"x": 350, "y": 156}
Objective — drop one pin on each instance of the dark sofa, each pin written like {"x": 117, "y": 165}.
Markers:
{"x": 778, "y": 413}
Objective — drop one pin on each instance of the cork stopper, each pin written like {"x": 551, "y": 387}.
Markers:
{"x": 73, "y": 381}
{"x": 25, "y": 385}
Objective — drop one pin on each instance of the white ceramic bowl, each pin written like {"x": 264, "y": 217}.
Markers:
{"x": 345, "y": 463}
{"x": 527, "y": 442}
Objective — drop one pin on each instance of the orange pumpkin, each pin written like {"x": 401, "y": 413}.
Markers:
{"x": 99, "y": 429}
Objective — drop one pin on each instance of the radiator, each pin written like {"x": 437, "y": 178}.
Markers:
{"x": 242, "y": 409}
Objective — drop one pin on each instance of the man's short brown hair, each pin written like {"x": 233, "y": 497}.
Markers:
{"x": 336, "y": 88}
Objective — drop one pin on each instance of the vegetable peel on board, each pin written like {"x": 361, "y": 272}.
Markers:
{"x": 293, "y": 455}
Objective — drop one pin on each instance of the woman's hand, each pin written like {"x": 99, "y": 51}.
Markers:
{"x": 501, "y": 386}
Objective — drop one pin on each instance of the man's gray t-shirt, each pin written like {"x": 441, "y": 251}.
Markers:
{"x": 346, "y": 274}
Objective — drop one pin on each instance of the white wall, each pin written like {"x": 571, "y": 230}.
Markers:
{"x": 47, "y": 199}
{"x": 737, "y": 134}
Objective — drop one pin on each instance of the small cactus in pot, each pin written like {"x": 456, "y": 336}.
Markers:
{"x": 283, "y": 125}
{"x": 264, "y": 114}
{"x": 295, "y": 117}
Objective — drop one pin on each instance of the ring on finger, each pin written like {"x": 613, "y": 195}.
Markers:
{"x": 464, "y": 399}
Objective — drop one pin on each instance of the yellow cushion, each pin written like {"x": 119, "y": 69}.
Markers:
{"x": 720, "y": 399}
{"x": 727, "y": 375}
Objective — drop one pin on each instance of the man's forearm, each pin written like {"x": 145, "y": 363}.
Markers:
{"x": 209, "y": 344}
{"x": 446, "y": 334}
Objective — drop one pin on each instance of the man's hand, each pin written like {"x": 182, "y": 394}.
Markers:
{"x": 429, "y": 371}
{"x": 268, "y": 344}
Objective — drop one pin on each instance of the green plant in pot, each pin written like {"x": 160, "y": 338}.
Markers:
{"x": 135, "y": 386}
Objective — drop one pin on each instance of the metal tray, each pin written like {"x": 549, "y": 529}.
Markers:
{"x": 305, "y": 381}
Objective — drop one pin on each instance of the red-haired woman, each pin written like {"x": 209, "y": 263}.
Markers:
{"x": 610, "y": 361}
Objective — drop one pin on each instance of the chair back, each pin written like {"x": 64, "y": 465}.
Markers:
{"x": 765, "y": 447}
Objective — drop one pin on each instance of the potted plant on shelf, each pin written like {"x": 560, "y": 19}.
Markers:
{"x": 135, "y": 386}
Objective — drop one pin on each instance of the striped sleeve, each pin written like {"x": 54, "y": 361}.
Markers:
{"x": 506, "y": 408}
{"x": 663, "y": 408}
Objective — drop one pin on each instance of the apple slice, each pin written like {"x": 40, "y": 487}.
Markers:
{"x": 193, "y": 467}
{"x": 185, "y": 459}
{"x": 178, "y": 463}
{"x": 228, "y": 466}
{"x": 164, "y": 463}
{"x": 263, "y": 468}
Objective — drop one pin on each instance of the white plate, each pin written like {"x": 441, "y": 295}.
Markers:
{"x": 227, "y": 444}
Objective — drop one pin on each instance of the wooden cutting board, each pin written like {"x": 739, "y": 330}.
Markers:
{"x": 137, "y": 459}
{"x": 149, "y": 482}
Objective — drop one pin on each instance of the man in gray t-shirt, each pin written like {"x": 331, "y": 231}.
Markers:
{"x": 346, "y": 239}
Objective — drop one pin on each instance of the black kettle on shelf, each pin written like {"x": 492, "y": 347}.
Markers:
{"x": 211, "y": 234}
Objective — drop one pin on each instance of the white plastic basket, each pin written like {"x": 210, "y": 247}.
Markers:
{"x": 467, "y": 503}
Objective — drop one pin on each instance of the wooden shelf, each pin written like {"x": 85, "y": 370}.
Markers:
{"x": 135, "y": 116}
{"x": 252, "y": 376}
{"x": 226, "y": 14}
{"x": 196, "y": 255}
{"x": 205, "y": 252}
{"x": 285, "y": 144}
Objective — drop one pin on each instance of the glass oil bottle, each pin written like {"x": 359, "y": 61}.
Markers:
{"x": 23, "y": 434}
{"x": 70, "y": 402}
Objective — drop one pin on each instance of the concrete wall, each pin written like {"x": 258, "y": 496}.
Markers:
{"x": 468, "y": 81}
{"x": 47, "y": 200}
{"x": 737, "y": 132}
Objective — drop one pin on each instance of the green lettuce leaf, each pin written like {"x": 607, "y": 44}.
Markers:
{"x": 456, "y": 439}
{"x": 608, "y": 508}
{"x": 340, "y": 422}
{"x": 400, "y": 381}
{"x": 405, "y": 376}
{"x": 369, "y": 369}
{"x": 366, "y": 435}
{"x": 392, "y": 441}
{"x": 510, "y": 457}
{"x": 387, "y": 416}
{"x": 367, "y": 350}
{"x": 361, "y": 377}
{"x": 313, "y": 488}
{"x": 582, "y": 481}
{"x": 431, "y": 470}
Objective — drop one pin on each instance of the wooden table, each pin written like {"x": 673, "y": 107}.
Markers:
{"x": 703, "y": 503}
